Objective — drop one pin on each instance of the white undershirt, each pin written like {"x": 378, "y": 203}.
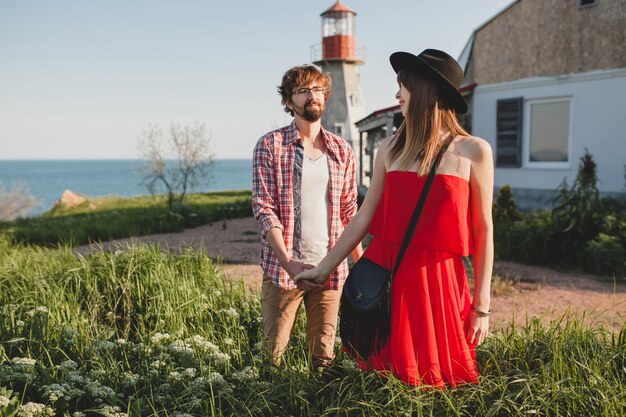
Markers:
{"x": 314, "y": 209}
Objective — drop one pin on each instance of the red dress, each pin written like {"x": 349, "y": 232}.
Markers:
{"x": 430, "y": 297}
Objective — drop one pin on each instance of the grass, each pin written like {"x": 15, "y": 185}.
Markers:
{"x": 107, "y": 218}
{"x": 141, "y": 333}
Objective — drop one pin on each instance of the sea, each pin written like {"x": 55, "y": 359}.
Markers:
{"x": 47, "y": 179}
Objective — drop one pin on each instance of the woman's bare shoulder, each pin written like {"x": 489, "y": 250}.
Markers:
{"x": 473, "y": 147}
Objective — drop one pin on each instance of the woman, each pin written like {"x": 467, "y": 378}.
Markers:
{"x": 435, "y": 323}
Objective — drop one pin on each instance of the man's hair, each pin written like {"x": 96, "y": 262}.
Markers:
{"x": 302, "y": 76}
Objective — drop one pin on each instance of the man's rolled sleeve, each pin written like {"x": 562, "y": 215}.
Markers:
{"x": 264, "y": 190}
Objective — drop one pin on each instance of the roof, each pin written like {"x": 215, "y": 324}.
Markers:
{"x": 338, "y": 7}
{"x": 379, "y": 112}
{"x": 500, "y": 13}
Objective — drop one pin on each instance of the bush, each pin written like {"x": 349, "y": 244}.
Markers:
{"x": 115, "y": 218}
{"x": 604, "y": 254}
{"x": 505, "y": 208}
{"x": 583, "y": 231}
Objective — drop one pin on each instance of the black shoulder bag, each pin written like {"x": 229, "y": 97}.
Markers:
{"x": 365, "y": 320}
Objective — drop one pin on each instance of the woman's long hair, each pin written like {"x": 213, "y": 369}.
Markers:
{"x": 428, "y": 115}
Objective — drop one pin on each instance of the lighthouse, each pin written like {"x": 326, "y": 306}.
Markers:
{"x": 339, "y": 59}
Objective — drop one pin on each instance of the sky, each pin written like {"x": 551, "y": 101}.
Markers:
{"x": 81, "y": 79}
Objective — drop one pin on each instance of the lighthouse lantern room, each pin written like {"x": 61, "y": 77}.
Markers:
{"x": 339, "y": 59}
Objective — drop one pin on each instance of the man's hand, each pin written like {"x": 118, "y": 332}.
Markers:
{"x": 294, "y": 267}
{"x": 311, "y": 278}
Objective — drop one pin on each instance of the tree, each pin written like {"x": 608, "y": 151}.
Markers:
{"x": 176, "y": 164}
{"x": 16, "y": 201}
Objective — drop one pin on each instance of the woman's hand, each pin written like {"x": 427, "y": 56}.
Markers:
{"x": 477, "y": 329}
{"x": 310, "y": 279}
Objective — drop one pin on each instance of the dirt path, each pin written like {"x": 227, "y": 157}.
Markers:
{"x": 519, "y": 291}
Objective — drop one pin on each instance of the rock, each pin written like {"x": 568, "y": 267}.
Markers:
{"x": 70, "y": 199}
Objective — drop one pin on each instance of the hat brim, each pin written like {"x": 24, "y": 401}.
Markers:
{"x": 400, "y": 60}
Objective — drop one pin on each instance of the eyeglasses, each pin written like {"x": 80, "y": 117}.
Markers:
{"x": 304, "y": 91}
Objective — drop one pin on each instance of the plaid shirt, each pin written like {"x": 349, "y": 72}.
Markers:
{"x": 276, "y": 183}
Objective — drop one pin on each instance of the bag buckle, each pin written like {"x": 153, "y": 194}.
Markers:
{"x": 359, "y": 296}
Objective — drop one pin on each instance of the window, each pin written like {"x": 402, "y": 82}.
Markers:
{"x": 509, "y": 133}
{"x": 339, "y": 129}
{"x": 548, "y": 133}
{"x": 587, "y": 3}
{"x": 354, "y": 99}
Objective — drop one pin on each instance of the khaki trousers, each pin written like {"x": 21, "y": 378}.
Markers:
{"x": 280, "y": 308}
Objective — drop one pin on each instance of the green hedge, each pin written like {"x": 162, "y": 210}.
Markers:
{"x": 109, "y": 218}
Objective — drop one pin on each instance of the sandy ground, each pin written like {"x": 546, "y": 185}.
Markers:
{"x": 519, "y": 291}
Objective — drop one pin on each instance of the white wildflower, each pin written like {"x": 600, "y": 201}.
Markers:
{"x": 41, "y": 310}
{"x": 338, "y": 342}
{"x": 174, "y": 376}
{"x": 203, "y": 345}
{"x": 68, "y": 365}
{"x": 216, "y": 379}
{"x": 189, "y": 373}
{"x": 247, "y": 374}
{"x": 217, "y": 293}
{"x": 196, "y": 338}
{"x": 20, "y": 323}
{"x": 178, "y": 414}
{"x": 112, "y": 411}
{"x": 54, "y": 392}
{"x": 104, "y": 345}
{"x": 180, "y": 346}
{"x": 121, "y": 341}
{"x": 4, "y": 401}
{"x": 35, "y": 410}
{"x": 229, "y": 341}
{"x": 130, "y": 379}
{"x": 99, "y": 373}
{"x": 158, "y": 337}
{"x": 24, "y": 361}
{"x": 142, "y": 349}
{"x": 98, "y": 391}
{"x": 79, "y": 414}
{"x": 158, "y": 364}
{"x": 221, "y": 359}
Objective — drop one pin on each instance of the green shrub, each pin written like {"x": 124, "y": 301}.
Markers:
{"x": 505, "y": 208}
{"x": 583, "y": 231}
{"x": 605, "y": 254}
{"x": 126, "y": 217}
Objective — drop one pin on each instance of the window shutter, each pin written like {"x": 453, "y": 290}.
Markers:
{"x": 509, "y": 133}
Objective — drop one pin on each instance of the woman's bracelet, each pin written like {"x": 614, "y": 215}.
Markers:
{"x": 478, "y": 312}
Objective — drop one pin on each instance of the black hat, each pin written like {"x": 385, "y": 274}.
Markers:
{"x": 439, "y": 65}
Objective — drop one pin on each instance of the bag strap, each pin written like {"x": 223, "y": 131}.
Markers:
{"x": 420, "y": 204}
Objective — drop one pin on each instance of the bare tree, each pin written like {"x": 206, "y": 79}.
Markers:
{"x": 177, "y": 164}
{"x": 16, "y": 201}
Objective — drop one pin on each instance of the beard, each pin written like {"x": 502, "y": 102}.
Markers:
{"x": 309, "y": 113}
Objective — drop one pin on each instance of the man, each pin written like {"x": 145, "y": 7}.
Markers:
{"x": 303, "y": 195}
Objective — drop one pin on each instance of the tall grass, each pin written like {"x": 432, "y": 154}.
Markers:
{"x": 142, "y": 333}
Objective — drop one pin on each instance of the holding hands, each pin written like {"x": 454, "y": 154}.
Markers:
{"x": 310, "y": 278}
